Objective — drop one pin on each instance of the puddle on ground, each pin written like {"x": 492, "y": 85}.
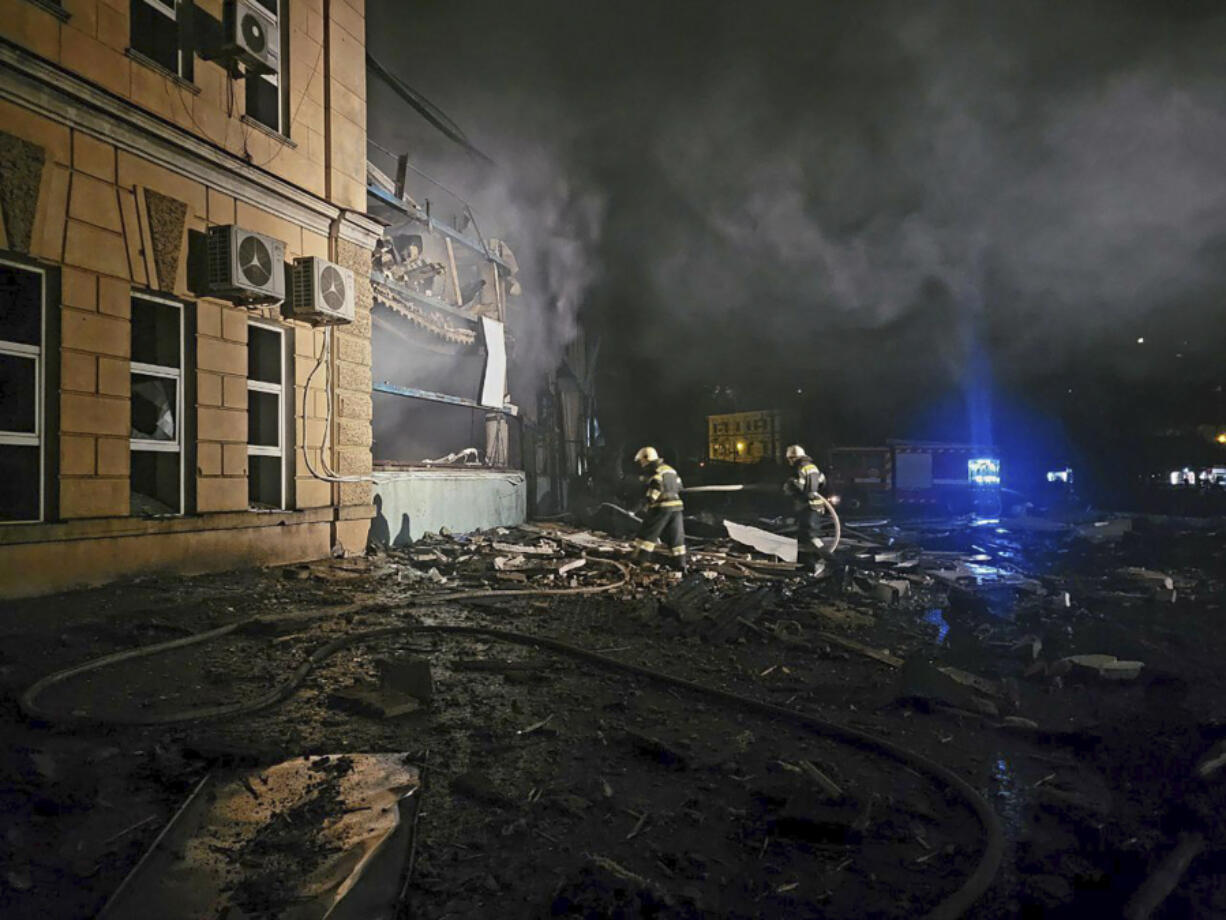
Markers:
{"x": 936, "y": 617}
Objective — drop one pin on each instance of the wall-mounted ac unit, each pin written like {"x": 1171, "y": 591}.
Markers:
{"x": 245, "y": 267}
{"x": 251, "y": 36}
{"x": 321, "y": 292}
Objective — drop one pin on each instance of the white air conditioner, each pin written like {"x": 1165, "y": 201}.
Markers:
{"x": 245, "y": 267}
{"x": 252, "y": 36}
{"x": 320, "y": 292}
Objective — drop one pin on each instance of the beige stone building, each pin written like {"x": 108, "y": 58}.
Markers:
{"x": 166, "y": 166}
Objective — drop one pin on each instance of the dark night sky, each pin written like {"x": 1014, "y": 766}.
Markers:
{"x": 891, "y": 206}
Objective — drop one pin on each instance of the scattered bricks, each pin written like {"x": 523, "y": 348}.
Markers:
{"x": 234, "y": 324}
{"x": 208, "y": 318}
{"x": 221, "y": 425}
{"x": 208, "y": 459}
{"x": 78, "y": 372}
{"x": 96, "y": 333}
{"x": 115, "y": 377}
{"x": 115, "y": 297}
{"x": 95, "y": 415}
{"x": 114, "y": 457}
{"x": 86, "y": 498}
{"x": 888, "y": 590}
{"x": 79, "y": 288}
{"x": 234, "y": 459}
{"x": 76, "y": 455}
{"x": 234, "y": 392}
{"x": 208, "y": 389}
{"x": 221, "y": 356}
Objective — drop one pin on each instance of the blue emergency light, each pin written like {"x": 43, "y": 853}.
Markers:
{"x": 983, "y": 471}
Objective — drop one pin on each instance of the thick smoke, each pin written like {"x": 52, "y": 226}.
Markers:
{"x": 868, "y": 200}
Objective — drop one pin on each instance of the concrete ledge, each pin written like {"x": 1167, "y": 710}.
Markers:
{"x": 34, "y": 569}
{"x": 411, "y": 502}
{"x": 94, "y": 528}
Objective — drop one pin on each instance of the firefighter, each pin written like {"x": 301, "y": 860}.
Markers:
{"x": 662, "y": 518}
{"x": 805, "y": 485}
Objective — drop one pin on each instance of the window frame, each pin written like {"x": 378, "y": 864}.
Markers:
{"x": 181, "y": 16}
{"x": 178, "y": 445}
{"x": 284, "y": 448}
{"x": 38, "y": 354}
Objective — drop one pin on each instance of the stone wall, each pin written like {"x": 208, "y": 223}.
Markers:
{"x": 93, "y": 41}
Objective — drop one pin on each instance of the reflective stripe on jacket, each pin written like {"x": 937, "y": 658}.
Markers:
{"x": 663, "y": 487}
{"x": 806, "y": 483}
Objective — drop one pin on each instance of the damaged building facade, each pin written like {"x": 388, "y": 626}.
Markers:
{"x": 454, "y": 448}
{"x": 184, "y": 197}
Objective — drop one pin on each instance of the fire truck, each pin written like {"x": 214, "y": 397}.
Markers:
{"x": 917, "y": 477}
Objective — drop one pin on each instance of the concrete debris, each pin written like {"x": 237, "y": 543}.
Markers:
{"x": 1107, "y": 667}
{"x": 568, "y": 567}
{"x": 544, "y": 548}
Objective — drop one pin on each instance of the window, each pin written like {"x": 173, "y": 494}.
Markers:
{"x": 266, "y": 417}
{"x": 265, "y": 95}
{"x": 22, "y": 383}
{"x": 157, "y": 406}
{"x": 155, "y": 33}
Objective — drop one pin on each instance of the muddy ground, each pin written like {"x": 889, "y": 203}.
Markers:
{"x": 555, "y": 787}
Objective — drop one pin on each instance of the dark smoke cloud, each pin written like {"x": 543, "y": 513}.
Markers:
{"x": 877, "y": 202}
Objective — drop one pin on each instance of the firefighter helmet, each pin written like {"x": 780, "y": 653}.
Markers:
{"x": 646, "y": 455}
{"x": 795, "y": 452}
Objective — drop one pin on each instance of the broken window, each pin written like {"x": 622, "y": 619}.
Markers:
{"x": 266, "y": 417}
{"x": 265, "y": 91}
{"x": 155, "y": 32}
{"x": 22, "y": 322}
{"x": 157, "y": 406}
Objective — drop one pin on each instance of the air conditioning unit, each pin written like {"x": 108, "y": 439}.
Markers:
{"x": 320, "y": 292}
{"x": 251, "y": 36}
{"x": 245, "y": 267}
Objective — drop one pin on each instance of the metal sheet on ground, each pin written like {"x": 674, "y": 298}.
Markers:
{"x": 306, "y": 839}
{"x": 763, "y": 541}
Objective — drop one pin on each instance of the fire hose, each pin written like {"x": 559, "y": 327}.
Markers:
{"x": 954, "y": 906}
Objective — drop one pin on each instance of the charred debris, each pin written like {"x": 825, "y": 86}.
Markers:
{"x": 958, "y": 717}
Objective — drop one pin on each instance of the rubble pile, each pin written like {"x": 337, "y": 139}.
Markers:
{"x": 1068, "y": 671}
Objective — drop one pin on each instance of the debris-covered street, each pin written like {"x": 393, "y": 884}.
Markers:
{"x": 1068, "y": 672}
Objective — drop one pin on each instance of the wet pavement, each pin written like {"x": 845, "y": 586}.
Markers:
{"x": 556, "y": 787}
